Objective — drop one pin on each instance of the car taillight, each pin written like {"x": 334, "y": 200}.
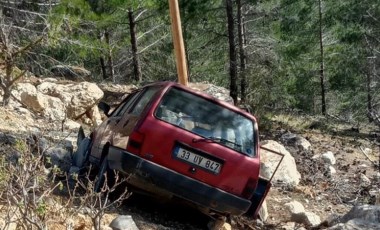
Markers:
{"x": 135, "y": 142}
{"x": 249, "y": 188}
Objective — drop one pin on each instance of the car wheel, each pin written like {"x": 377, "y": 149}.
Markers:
{"x": 82, "y": 154}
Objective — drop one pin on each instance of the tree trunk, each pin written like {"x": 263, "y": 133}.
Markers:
{"x": 369, "y": 91}
{"x": 101, "y": 60}
{"x": 232, "y": 51}
{"x": 321, "y": 71}
{"x": 132, "y": 31}
{"x": 110, "y": 59}
{"x": 241, "y": 33}
{"x": 103, "y": 67}
{"x": 6, "y": 83}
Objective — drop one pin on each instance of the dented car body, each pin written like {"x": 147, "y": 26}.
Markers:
{"x": 170, "y": 140}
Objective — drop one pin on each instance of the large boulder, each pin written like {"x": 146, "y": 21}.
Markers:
{"x": 213, "y": 90}
{"x": 296, "y": 141}
{"x": 287, "y": 173}
{"x": 360, "y": 217}
{"x": 49, "y": 106}
{"x": 78, "y": 98}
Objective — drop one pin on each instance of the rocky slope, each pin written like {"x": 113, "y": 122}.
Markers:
{"x": 327, "y": 171}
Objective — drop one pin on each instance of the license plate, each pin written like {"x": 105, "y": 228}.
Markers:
{"x": 198, "y": 160}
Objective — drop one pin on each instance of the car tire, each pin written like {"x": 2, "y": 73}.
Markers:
{"x": 80, "y": 158}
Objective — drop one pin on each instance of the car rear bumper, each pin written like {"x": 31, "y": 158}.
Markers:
{"x": 176, "y": 184}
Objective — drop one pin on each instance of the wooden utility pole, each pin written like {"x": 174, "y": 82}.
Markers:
{"x": 179, "y": 47}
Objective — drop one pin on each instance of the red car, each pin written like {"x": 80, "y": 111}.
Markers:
{"x": 169, "y": 139}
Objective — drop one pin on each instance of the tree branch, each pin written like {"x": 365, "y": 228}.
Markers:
{"x": 30, "y": 45}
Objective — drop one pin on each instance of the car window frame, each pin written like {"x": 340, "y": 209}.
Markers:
{"x": 148, "y": 102}
{"x": 126, "y": 104}
{"x": 253, "y": 152}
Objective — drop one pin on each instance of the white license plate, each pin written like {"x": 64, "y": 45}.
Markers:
{"x": 198, "y": 160}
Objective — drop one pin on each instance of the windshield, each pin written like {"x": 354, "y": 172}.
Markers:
{"x": 212, "y": 122}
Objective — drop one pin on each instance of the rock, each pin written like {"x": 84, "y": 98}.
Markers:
{"x": 43, "y": 144}
{"x": 288, "y": 226}
{"x": 308, "y": 218}
{"x": 287, "y": 172}
{"x": 123, "y": 222}
{"x": 377, "y": 176}
{"x": 51, "y": 107}
{"x": 215, "y": 91}
{"x": 296, "y": 141}
{"x": 295, "y": 207}
{"x": 364, "y": 179}
{"x": 71, "y": 125}
{"x": 78, "y": 98}
{"x": 7, "y": 139}
{"x": 360, "y": 217}
{"x": 368, "y": 151}
{"x": 55, "y": 109}
{"x": 363, "y": 166}
{"x": 27, "y": 94}
{"x": 71, "y": 72}
{"x": 263, "y": 212}
{"x": 27, "y": 115}
{"x": 299, "y": 215}
{"x": 219, "y": 224}
{"x": 331, "y": 170}
{"x": 355, "y": 224}
{"x": 94, "y": 115}
{"x": 60, "y": 157}
{"x": 303, "y": 143}
{"x": 329, "y": 158}
{"x": 369, "y": 213}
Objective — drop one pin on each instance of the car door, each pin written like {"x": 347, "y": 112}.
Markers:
{"x": 132, "y": 116}
{"x": 104, "y": 132}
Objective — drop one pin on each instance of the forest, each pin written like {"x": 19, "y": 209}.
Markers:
{"x": 318, "y": 57}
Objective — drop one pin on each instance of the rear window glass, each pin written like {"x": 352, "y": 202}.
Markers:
{"x": 208, "y": 120}
{"x": 144, "y": 100}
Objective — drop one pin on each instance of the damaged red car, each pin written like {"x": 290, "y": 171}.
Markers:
{"x": 168, "y": 139}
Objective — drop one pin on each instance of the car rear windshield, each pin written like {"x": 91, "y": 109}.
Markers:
{"x": 211, "y": 121}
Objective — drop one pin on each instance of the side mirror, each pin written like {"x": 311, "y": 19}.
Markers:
{"x": 104, "y": 107}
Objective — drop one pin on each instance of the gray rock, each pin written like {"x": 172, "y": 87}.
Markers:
{"x": 331, "y": 170}
{"x": 7, "y": 139}
{"x": 287, "y": 173}
{"x": 329, "y": 158}
{"x": 60, "y": 157}
{"x": 364, "y": 179}
{"x": 369, "y": 213}
{"x": 360, "y": 217}
{"x": 308, "y": 218}
{"x": 123, "y": 222}
{"x": 296, "y": 141}
{"x": 356, "y": 224}
{"x": 263, "y": 212}
{"x": 295, "y": 207}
